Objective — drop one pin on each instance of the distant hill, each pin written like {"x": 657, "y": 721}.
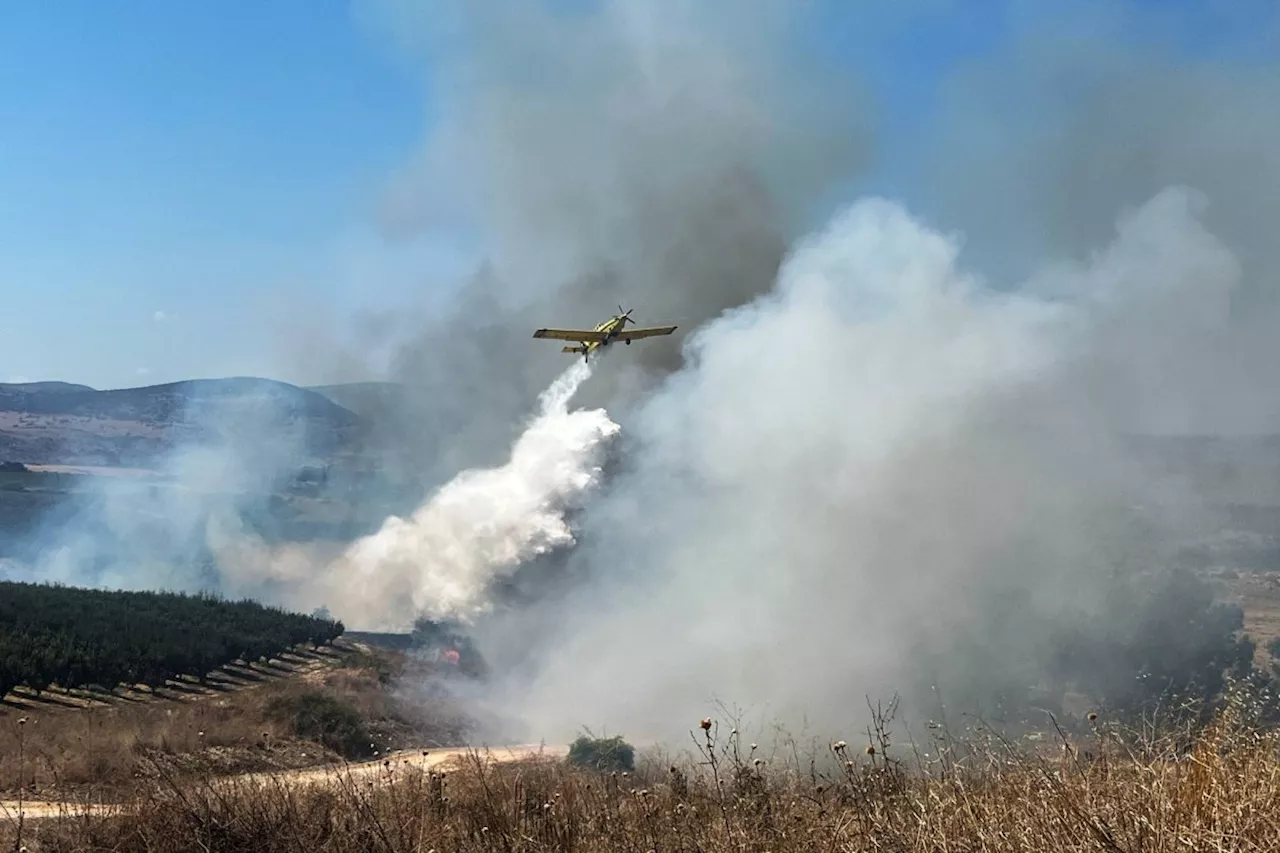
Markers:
{"x": 367, "y": 399}
{"x": 43, "y": 387}
{"x": 60, "y": 424}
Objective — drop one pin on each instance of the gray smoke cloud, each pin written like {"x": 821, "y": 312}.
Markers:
{"x": 657, "y": 157}
{"x": 1070, "y": 122}
{"x": 853, "y": 469}
{"x": 891, "y": 452}
{"x": 890, "y": 472}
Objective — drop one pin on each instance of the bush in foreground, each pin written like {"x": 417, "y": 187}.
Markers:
{"x": 326, "y": 720}
{"x": 603, "y": 754}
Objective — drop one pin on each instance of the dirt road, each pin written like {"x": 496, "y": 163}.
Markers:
{"x": 44, "y": 809}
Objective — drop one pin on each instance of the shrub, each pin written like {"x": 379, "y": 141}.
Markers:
{"x": 377, "y": 663}
{"x": 604, "y": 754}
{"x": 326, "y": 720}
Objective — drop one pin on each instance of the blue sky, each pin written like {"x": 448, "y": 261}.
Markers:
{"x": 166, "y": 168}
{"x": 170, "y": 171}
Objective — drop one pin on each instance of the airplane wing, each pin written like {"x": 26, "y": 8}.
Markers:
{"x": 579, "y": 335}
{"x": 634, "y": 334}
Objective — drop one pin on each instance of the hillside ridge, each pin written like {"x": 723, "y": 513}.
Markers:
{"x": 58, "y": 423}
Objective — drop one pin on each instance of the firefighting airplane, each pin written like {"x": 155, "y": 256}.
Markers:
{"x": 613, "y": 329}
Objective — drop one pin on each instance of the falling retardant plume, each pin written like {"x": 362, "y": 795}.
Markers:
{"x": 441, "y": 561}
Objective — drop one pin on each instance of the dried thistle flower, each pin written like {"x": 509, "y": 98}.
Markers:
{"x": 706, "y": 724}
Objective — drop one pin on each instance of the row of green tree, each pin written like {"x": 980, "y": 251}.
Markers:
{"x": 72, "y": 637}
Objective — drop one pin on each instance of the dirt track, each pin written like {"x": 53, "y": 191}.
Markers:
{"x": 42, "y": 809}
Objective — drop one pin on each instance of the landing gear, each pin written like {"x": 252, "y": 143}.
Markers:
{"x": 628, "y": 341}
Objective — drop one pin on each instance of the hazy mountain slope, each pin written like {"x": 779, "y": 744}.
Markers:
{"x": 57, "y": 423}
{"x": 43, "y": 387}
{"x": 367, "y": 399}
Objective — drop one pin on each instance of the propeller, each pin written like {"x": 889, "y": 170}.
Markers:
{"x": 626, "y": 315}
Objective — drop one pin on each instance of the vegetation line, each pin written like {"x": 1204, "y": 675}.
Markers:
{"x": 83, "y": 638}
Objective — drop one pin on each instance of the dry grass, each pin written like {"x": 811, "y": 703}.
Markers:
{"x": 1113, "y": 791}
{"x": 1258, "y": 594}
{"x": 110, "y": 750}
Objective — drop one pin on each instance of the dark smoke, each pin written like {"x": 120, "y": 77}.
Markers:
{"x": 660, "y": 158}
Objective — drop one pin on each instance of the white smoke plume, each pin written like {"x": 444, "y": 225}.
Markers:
{"x": 440, "y": 561}
{"x": 855, "y": 472}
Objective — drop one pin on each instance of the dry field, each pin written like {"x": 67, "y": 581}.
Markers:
{"x": 220, "y": 773}
{"x": 1111, "y": 792}
{"x": 385, "y": 767}
{"x": 1258, "y": 594}
{"x": 60, "y": 749}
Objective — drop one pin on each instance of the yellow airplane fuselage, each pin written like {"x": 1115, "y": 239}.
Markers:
{"x": 609, "y": 328}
